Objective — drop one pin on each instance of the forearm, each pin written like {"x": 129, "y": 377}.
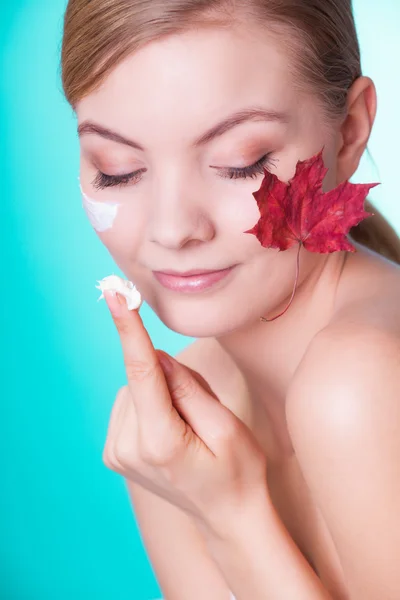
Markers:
{"x": 259, "y": 559}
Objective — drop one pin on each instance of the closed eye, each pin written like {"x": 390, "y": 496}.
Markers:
{"x": 102, "y": 180}
{"x": 253, "y": 170}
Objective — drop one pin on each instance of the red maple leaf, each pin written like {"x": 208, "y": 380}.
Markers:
{"x": 299, "y": 212}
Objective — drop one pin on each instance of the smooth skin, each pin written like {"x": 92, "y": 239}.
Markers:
{"x": 320, "y": 385}
{"x": 170, "y": 434}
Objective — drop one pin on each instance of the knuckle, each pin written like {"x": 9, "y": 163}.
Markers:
{"x": 152, "y": 455}
{"x": 138, "y": 370}
{"x": 109, "y": 459}
{"x": 123, "y": 392}
{"x": 124, "y": 455}
{"x": 227, "y": 431}
{"x": 184, "y": 389}
{"x": 159, "y": 454}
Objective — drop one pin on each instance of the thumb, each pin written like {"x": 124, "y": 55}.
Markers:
{"x": 202, "y": 410}
{"x": 171, "y": 364}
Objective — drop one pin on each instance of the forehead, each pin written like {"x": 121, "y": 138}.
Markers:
{"x": 193, "y": 78}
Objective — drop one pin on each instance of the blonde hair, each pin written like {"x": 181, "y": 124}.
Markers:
{"x": 319, "y": 36}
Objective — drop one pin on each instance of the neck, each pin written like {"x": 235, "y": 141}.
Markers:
{"x": 268, "y": 353}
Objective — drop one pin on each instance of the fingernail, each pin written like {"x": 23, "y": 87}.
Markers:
{"x": 115, "y": 302}
{"x": 166, "y": 362}
{"x": 121, "y": 299}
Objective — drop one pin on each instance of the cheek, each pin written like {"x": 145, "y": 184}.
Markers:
{"x": 124, "y": 238}
{"x": 237, "y": 210}
{"x": 119, "y": 226}
{"x": 101, "y": 215}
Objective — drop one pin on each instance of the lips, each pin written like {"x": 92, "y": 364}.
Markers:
{"x": 191, "y": 283}
{"x": 191, "y": 272}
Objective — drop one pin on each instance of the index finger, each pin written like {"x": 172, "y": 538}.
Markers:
{"x": 146, "y": 380}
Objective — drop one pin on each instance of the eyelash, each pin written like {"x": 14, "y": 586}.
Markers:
{"x": 102, "y": 180}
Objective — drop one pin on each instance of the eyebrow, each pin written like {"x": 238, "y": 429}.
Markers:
{"x": 252, "y": 113}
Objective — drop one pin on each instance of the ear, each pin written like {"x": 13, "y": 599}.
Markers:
{"x": 356, "y": 127}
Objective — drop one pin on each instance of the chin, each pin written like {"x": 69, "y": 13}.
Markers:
{"x": 202, "y": 319}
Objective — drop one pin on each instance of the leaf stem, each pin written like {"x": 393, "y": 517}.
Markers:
{"x": 294, "y": 288}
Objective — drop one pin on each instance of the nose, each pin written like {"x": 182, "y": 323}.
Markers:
{"x": 177, "y": 220}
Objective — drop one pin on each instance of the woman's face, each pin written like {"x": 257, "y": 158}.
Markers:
{"x": 184, "y": 208}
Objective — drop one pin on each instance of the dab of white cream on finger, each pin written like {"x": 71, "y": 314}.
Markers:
{"x": 124, "y": 287}
{"x": 100, "y": 214}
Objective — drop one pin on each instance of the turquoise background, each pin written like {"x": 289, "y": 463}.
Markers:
{"x": 67, "y": 529}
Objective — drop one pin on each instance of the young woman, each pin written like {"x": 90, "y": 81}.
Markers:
{"x": 266, "y": 461}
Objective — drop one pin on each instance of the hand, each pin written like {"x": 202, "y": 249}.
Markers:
{"x": 169, "y": 433}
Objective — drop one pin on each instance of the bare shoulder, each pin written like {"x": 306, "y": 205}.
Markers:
{"x": 368, "y": 295}
{"x": 348, "y": 378}
{"x": 342, "y": 409}
{"x": 360, "y": 346}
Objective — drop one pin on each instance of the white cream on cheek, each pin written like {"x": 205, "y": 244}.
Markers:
{"x": 100, "y": 214}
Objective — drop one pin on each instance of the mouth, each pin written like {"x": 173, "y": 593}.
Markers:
{"x": 191, "y": 281}
{"x": 192, "y": 271}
